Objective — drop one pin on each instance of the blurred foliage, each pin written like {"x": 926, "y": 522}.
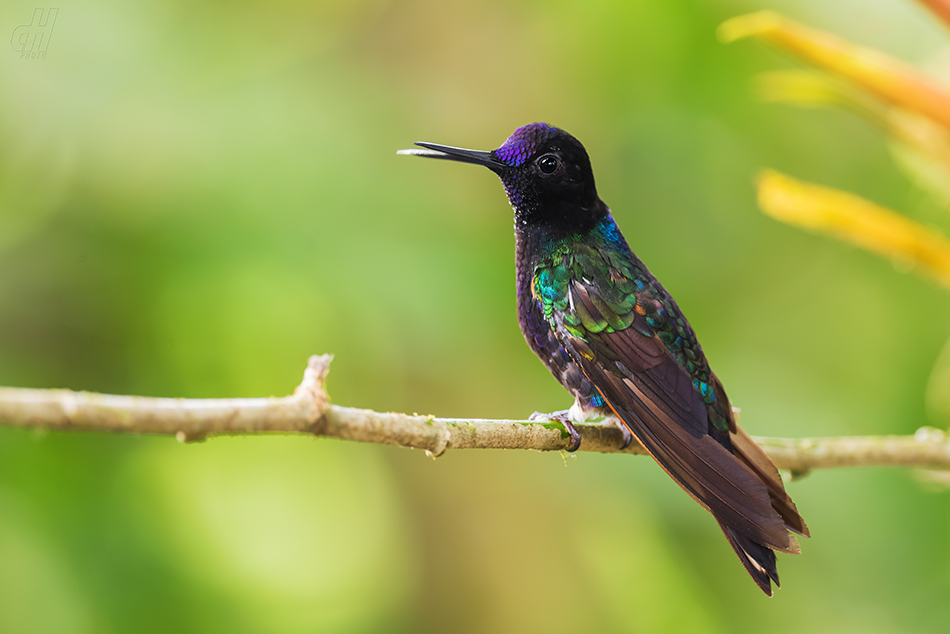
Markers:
{"x": 194, "y": 197}
{"x": 911, "y": 107}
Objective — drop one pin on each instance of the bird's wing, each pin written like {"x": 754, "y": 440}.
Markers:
{"x": 609, "y": 335}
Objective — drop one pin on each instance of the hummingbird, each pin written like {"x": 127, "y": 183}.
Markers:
{"x": 617, "y": 341}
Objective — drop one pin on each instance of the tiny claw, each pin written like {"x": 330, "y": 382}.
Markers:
{"x": 627, "y": 436}
{"x": 575, "y": 436}
{"x": 563, "y": 417}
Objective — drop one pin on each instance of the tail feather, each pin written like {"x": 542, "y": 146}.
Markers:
{"x": 759, "y": 561}
{"x": 730, "y": 475}
{"x": 757, "y": 460}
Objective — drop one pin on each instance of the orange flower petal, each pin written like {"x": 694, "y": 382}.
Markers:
{"x": 940, "y": 7}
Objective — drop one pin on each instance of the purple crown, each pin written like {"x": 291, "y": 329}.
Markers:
{"x": 524, "y": 142}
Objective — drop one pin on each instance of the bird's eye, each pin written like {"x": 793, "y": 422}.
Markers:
{"x": 548, "y": 163}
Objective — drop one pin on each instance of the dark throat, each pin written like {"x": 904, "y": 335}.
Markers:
{"x": 535, "y": 239}
{"x": 538, "y": 227}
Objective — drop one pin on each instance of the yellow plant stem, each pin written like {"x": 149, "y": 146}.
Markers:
{"x": 855, "y": 220}
{"x": 886, "y": 78}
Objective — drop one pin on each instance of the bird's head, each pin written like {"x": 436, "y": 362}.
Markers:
{"x": 546, "y": 173}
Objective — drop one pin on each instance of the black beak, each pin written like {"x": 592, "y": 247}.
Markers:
{"x": 449, "y": 153}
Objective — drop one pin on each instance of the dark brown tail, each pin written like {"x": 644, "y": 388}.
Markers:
{"x": 758, "y": 560}
{"x": 756, "y": 459}
{"x": 733, "y": 479}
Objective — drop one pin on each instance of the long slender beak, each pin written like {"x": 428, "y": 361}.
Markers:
{"x": 449, "y": 153}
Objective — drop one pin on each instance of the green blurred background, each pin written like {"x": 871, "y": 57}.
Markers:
{"x": 195, "y": 196}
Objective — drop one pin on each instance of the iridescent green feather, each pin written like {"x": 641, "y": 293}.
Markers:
{"x": 621, "y": 284}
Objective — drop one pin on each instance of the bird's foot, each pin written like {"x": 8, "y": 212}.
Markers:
{"x": 627, "y": 436}
{"x": 564, "y": 417}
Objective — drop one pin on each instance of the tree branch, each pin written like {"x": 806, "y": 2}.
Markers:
{"x": 308, "y": 411}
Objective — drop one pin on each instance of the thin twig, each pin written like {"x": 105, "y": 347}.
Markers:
{"x": 308, "y": 411}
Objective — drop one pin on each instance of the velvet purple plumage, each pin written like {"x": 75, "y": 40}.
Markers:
{"x": 618, "y": 342}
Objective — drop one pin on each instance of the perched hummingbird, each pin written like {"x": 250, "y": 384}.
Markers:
{"x": 616, "y": 340}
